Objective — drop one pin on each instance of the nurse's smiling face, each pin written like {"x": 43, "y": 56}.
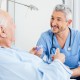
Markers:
{"x": 58, "y": 22}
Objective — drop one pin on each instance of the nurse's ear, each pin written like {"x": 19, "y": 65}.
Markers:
{"x": 2, "y": 32}
{"x": 69, "y": 22}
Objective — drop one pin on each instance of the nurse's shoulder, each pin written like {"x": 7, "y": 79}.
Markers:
{"x": 75, "y": 34}
{"x": 47, "y": 33}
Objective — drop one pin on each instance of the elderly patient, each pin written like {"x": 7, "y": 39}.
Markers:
{"x": 16, "y": 64}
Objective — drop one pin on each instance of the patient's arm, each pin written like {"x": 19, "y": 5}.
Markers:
{"x": 55, "y": 71}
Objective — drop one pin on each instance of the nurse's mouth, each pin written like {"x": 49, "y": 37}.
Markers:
{"x": 55, "y": 27}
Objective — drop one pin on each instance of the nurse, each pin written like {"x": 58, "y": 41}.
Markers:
{"x": 61, "y": 36}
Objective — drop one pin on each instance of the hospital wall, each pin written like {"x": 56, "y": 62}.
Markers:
{"x": 31, "y": 23}
{"x": 33, "y": 20}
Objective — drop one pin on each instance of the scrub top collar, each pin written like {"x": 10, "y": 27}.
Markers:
{"x": 56, "y": 44}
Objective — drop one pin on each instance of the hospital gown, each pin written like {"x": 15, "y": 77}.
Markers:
{"x": 16, "y": 64}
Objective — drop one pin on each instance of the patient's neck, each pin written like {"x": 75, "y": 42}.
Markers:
{"x": 5, "y": 43}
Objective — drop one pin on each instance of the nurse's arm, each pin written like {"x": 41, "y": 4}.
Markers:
{"x": 59, "y": 56}
{"x": 76, "y": 72}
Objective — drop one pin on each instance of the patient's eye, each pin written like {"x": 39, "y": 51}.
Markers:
{"x": 52, "y": 18}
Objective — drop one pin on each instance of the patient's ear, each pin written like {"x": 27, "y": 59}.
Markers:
{"x": 2, "y": 32}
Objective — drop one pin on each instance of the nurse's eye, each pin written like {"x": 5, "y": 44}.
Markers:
{"x": 52, "y": 18}
{"x": 58, "y": 19}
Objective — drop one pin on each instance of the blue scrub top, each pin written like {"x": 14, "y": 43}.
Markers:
{"x": 72, "y": 57}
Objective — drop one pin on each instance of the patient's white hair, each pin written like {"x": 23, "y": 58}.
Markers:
{"x": 3, "y": 18}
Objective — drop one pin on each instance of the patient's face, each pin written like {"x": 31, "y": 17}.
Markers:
{"x": 7, "y": 28}
{"x": 11, "y": 30}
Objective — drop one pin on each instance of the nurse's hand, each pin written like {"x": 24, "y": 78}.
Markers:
{"x": 36, "y": 51}
{"x": 59, "y": 56}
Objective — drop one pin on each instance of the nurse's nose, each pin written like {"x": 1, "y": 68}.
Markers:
{"x": 53, "y": 22}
